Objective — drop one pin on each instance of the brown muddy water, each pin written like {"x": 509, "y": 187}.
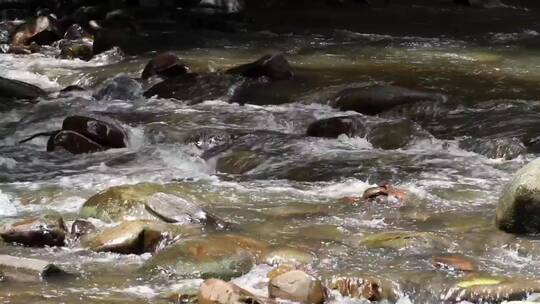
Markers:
{"x": 291, "y": 196}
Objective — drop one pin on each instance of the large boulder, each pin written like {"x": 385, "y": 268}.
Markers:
{"x": 273, "y": 66}
{"x": 10, "y": 88}
{"x": 222, "y": 256}
{"x": 396, "y": 134}
{"x": 518, "y": 210}
{"x": 333, "y": 127}
{"x": 47, "y": 229}
{"x": 165, "y": 65}
{"x": 297, "y": 286}
{"x": 43, "y": 30}
{"x": 379, "y": 98}
{"x": 73, "y": 142}
{"x": 107, "y": 134}
{"x": 146, "y": 202}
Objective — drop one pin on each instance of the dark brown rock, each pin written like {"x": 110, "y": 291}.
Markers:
{"x": 73, "y": 142}
{"x": 275, "y": 67}
{"x": 376, "y": 99}
{"x": 20, "y": 90}
{"x": 335, "y": 126}
{"x": 107, "y": 134}
{"x": 45, "y": 230}
{"x": 166, "y": 65}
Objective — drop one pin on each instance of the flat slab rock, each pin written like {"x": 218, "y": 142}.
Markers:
{"x": 28, "y": 270}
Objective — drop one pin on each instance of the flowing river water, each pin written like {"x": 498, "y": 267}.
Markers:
{"x": 292, "y": 196}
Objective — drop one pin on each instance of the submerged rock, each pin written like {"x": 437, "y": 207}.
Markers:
{"x": 453, "y": 263}
{"x": 333, "y": 127}
{"x": 506, "y": 148}
{"x": 222, "y": 256}
{"x": 415, "y": 242}
{"x": 47, "y": 229}
{"x": 479, "y": 289}
{"x": 395, "y": 134}
{"x": 288, "y": 256}
{"x": 43, "y": 30}
{"x": 274, "y": 67}
{"x": 165, "y": 65}
{"x": 19, "y": 90}
{"x": 119, "y": 88}
{"x": 518, "y": 210}
{"x": 194, "y": 88}
{"x": 297, "y": 286}
{"x": 28, "y": 270}
{"x": 215, "y": 291}
{"x": 376, "y": 99}
{"x": 239, "y": 162}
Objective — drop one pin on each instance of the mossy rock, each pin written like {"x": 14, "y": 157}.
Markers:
{"x": 135, "y": 237}
{"x": 400, "y": 240}
{"x": 144, "y": 201}
{"x": 223, "y": 256}
{"x": 239, "y": 162}
{"x": 487, "y": 289}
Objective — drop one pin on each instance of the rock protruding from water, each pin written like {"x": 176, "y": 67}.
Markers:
{"x": 214, "y": 291}
{"x": 297, "y": 286}
{"x": 165, "y": 65}
{"x": 379, "y": 98}
{"x": 47, "y": 229}
{"x": 363, "y": 287}
{"x": 73, "y": 142}
{"x": 193, "y": 88}
{"x": 82, "y": 134}
{"x": 16, "y": 89}
{"x": 107, "y": 134}
{"x": 43, "y": 30}
{"x": 28, "y": 270}
{"x": 274, "y": 67}
{"x": 135, "y": 237}
{"x": 147, "y": 202}
{"x": 518, "y": 210}
{"x": 351, "y": 126}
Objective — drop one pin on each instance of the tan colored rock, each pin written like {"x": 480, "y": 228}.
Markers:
{"x": 281, "y": 269}
{"x": 27, "y": 270}
{"x": 133, "y": 237}
{"x": 297, "y": 286}
{"x": 363, "y": 286}
{"x": 215, "y": 291}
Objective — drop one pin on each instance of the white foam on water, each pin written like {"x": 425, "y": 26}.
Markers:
{"x": 7, "y": 162}
{"x": 7, "y": 208}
